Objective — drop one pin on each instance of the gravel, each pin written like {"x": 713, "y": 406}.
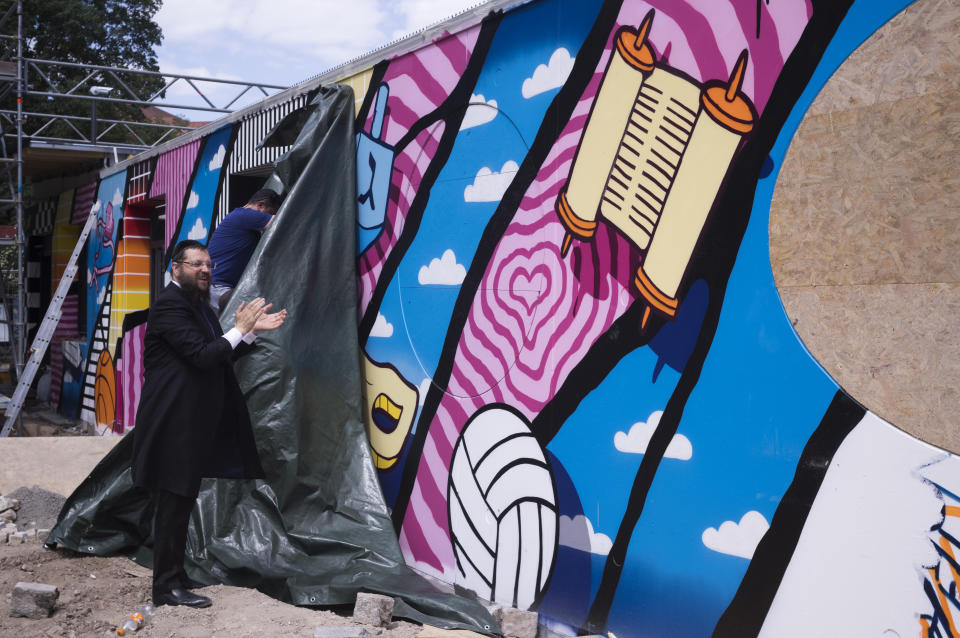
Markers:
{"x": 37, "y": 505}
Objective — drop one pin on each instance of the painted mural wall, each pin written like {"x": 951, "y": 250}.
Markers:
{"x": 582, "y": 394}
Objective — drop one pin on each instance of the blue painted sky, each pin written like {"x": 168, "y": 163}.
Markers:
{"x": 198, "y": 214}
{"x": 759, "y": 397}
{"x": 420, "y": 314}
{"x": 102, "y": 242}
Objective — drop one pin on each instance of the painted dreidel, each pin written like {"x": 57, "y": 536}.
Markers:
{"x": 374, "y": 167}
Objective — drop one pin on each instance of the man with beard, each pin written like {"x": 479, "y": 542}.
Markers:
{"x": 192, "y": 421}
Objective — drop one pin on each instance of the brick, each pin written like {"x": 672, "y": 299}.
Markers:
{"x": 17, "y": 538}
{"x": 373, "y": 609}
{"x": 349, "y": 631}
{"x": 33, "y": 600}
{"x": 516, "y": 622}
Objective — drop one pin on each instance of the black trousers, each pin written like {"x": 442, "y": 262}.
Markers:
{"x": 170, "y": 539}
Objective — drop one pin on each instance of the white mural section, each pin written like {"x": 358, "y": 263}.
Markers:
{"x": 871, "y": 535}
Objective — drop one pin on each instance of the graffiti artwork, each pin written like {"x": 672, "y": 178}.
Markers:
{"x": 562, "y": 295}
{"x": 582, "y": 395}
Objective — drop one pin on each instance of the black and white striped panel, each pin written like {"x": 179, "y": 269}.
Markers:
{"x": 44, "y": 217}
{"x": 502, "y": 507}
{"x": 245, "y": 156}
{"x": 100, "y": 335}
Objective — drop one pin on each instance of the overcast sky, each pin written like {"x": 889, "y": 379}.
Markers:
{"x": 280, "y": 41}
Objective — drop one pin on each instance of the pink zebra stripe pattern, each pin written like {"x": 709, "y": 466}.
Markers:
{"x": 172, "y": 178}
{"x": 419, "y": 83}
{"x": 536, "y": 314}
{"x": 130, "y": 377}
{"x": 82, "y": 203}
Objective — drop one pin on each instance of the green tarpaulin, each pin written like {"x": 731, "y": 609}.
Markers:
{"x": 316, "y": 531}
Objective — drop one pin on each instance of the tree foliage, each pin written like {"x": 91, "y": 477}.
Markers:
{"x": 117, "y": 33}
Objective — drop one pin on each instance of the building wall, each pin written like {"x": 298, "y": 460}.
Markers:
{"x": 583, "y": 394}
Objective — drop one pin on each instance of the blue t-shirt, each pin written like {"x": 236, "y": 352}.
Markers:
{"x": 233, "y": 242}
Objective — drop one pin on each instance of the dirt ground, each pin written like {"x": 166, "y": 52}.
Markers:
{"x": 96, "y": 594}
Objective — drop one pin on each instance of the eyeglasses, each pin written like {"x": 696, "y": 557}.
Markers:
{"x": 198, "y": 264}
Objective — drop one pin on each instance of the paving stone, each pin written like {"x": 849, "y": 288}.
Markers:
{"x": 373, "y": 609}
{"x": 516, "y": 622}
{"x": 33, "y": 600}
{"x": 324, "y": 631}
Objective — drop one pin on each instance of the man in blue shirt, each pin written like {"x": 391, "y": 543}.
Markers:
{"x": 234, "y": 241}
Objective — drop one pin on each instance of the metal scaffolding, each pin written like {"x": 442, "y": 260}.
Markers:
{"x": 30, "y": 76}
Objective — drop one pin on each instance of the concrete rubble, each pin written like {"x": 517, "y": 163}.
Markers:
{"x": 516, "y": 623}
{"x": 8, "y": 510}
{"x": 33, "y": 600}
{"x": 373, "y": 609}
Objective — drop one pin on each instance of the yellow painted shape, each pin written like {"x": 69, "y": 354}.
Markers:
{"x": 653, "y": 144}
{"x": 609, "y": 118}
{"x": 360, "y": 83}
{"x": 386, "y": 390}
{"x": 698, "y": 181}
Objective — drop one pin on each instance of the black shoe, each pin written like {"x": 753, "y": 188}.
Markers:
{"x": 179, "y": 596}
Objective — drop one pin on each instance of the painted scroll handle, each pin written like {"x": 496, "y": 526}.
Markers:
{"x": 579, "y": 202}
{"x": 705, "y": 161}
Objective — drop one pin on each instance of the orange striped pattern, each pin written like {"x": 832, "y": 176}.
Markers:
{"x": 131, "y": 275}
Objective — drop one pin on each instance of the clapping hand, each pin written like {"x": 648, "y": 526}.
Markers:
{"x": 248, "y": 314}
{"x": 268, "y": 322}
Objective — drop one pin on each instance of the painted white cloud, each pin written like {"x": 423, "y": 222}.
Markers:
{"x": 198, "y": 232}
{"x": 193, "y": 201}
{"x": 443, "y": 272}
{"x": 117, "y": 198}
{"x": 636, "y": 440}
{"x": 101, "y": 295}
{"x": 423, "y": 389}
{"x": 217, "y": 160}
{"x": 381, "y": 327}
{"x": 737, "y": 539}
{"x": 549, "y": 76}
{"x": 572, "y": 535}
{"x": 480, "y": 111}
{"x": 489, "y": 186}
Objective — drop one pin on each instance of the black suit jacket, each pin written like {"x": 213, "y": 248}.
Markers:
{"x": 192, "y": 421}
